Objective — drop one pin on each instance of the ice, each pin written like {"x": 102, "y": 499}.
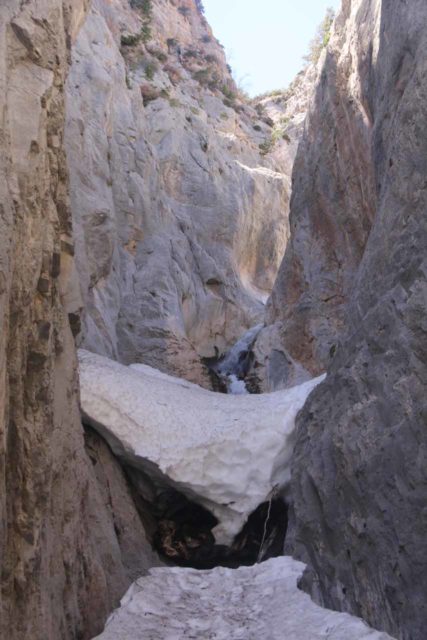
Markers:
{"x": 236, "y": 386}
{"x": 261, "y": 602}
{"x": 235, "y": 363}
{"x": 230, "y": 363}
{"x": 226, "y": 452}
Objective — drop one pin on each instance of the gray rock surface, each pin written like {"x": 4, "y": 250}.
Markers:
{"x": 352, "y": 296}
{"x": 68, "y": 539}
{"x": 303, "y": 315}
{"x": 180, "y": 221}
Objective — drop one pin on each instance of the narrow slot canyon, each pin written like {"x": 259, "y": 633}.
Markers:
{"x": 213, "y": 320}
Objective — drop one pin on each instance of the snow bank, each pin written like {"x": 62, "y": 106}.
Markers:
{"x": 254, "y": 603}
{"x": 227, "y": 451}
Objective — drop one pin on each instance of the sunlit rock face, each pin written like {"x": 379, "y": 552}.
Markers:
{"x": 351, "y": 293}
{"x": 180, "y": 217}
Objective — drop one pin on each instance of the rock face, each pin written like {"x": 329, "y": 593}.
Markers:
{"x": 65, "y": 560}
{"x": 352, "y": 294}
{"x": 180, "y": 217}
{"x": 176, "y": 252}
{"x": 284, "y": 354}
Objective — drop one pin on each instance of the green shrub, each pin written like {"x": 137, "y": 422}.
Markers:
{"x": 144, "y": 5}
{"x": 143, "y": 36}
{"x": 195, "y": 111}
{"x": 269, "y": 94}
{"x": 150, "y": 70}
{"x": 322, "y": 37}
{"x": 171, "y": 42}
{"x": 202, "y": 75}
{"x": 229, "y": 94}
{"x": 211, "y": 58}
{"x": 274, "y": 93}
{"x": 174, "y": 102}
{"x": 223, "y": 116}
{"x": 130, "y": 40}
{"x": 145, "y": 32}
{"x": 207, "y": 77}
{"x": 276, "y": 135}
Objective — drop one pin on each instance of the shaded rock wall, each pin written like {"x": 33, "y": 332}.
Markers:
{"x": 351, "y": 296}
{"x": 332, "y": 207}
{"x": 180, "y": 222}
{"x": 63, "y": 563}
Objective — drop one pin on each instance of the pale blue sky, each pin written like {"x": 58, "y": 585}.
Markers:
{"x": 265, "y": 40}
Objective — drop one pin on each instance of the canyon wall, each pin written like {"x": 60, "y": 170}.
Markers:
{"x": 168, "y": 255}
{"x": 179, "y": 188}
{"x": 351, "y": 298}
{"x": 70, "y": 538}
{"x": 178, "y": 222}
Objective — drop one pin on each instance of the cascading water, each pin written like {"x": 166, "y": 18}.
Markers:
{"x": 234, "y": 365}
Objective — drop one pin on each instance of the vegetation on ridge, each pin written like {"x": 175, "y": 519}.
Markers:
{"x": 146, "y": 8}
{"x": 322, "y": 37}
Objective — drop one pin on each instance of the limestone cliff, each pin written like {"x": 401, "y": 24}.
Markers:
{"x": 351, "y": 297}
{"x": 168, "y": 243}
{"x": 333, "y": 201}
{"x": 68, "y": 537}
{"x": 179, "y": 202}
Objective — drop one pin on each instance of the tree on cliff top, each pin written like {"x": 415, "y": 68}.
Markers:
{"x": 322, "y": 37}
{"x": 200, "y": 7}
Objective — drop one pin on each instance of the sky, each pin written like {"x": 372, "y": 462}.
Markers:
{"x": 265, "y": 40}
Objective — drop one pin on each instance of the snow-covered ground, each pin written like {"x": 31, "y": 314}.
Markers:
{"x": 227, "y": 452}
{"x": 252, "y": 603}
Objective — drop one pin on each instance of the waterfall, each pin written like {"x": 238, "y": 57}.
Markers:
{"x": 234, "y": 365}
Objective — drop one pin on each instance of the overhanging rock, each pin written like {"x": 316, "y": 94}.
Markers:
{"x": 225, "y": 452}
